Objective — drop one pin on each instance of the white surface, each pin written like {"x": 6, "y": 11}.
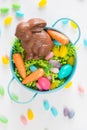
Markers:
{"x": 75, "y": 9}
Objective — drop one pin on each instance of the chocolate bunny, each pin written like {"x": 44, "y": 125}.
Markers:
{"x": 35, "y": 40}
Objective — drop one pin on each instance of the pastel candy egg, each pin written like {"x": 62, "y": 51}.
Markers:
{"x": 65, "y": 71}
{"x": 55, "y": 63}
{"x": 71, "y": 114}
{"x": 44, "y": 83}
{"x": 42, "y": 3}
{"x": 66, "y": 111}
{"x": 71, "y": 60}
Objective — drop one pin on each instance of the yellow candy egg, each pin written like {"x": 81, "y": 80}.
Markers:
{"x": 42, "y": 3}
{"x": 5, "y": 60}
{"x": 63, "y": 51}
{"x": 73, "y": 25}
{"x": 56, "y": 51}
{"x": 8, "y": 20}
{"x": 71, "y": 60}
{"x": 30, "y": 114}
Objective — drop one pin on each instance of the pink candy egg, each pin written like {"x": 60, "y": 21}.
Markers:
{"x": 55, "y": 70}
{"x": 44, "y": 83}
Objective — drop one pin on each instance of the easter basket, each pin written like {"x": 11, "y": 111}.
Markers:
{"x": 58, "y": 69}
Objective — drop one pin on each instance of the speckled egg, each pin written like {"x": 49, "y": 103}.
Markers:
{"x": 65, "y": 71}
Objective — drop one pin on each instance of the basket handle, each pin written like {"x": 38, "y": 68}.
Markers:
{"x": 21, "y": 102}
{"x": 68, "y": 19}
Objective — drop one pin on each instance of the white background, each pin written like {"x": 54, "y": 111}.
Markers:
{"x": 55, "y": 9}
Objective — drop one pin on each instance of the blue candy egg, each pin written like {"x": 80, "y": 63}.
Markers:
{"x": 65, "y": 71}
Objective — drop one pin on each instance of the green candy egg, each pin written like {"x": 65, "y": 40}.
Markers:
{"x": 65, "y": 71}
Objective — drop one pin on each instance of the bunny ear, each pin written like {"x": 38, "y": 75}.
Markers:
{"x": 37, "y": 24}
{"x": 68, "y": 27}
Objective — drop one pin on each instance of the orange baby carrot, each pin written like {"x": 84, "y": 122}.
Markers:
{"x": 33, "y": 76}
{"x": 58, "y": 36}
{"x": 17, "y": 58}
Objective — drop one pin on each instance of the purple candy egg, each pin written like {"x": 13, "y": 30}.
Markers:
{"x": 55, "y": 63}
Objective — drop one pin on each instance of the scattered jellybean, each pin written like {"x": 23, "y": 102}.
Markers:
{"x": 33, "y": 68}
{"x": 2, "y": 91}
{"x": 54, "y": 70}
{"x": 49, "y": 56}
{"x": 46, "y": 105}
{"x": 85, "y": 42}
{"x": 19, "y": 14}
{"x": 23, "y": 120}
{"x": 44, "y": 83}
{"x": 65, "y": 21}
{"x": 3, "y": 119}
{"x": 81, "y": 89}
{"x": 71, "y": 114}
{"x": 16, "y": 6}
{"x": 4, "y": 10}
{"x": 14, "y": 97}
{"x": 68, "y": 85}
{"x": 54, "y": 111}
{"x": 73, "y": 24}
{"x": 8, "y": 20}
{"x": 66, "y": 111}
{"x": 5, "y": 60}
{"x": 30, "y": 114}
{"x": 42, "y": 3}
{"x": 56, "y": 43}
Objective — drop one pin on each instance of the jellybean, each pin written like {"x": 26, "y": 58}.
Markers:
{"x": 53, "y": 85}
{"x": 5, "y": 60}
{"x": 49, "y": 56}
{"x": 44, "y": 83}
{"x": 54, "y": 70}
{"x": 16, "y": 6}
{"x": 55, "y": 63}
{"x": 56, "y": 43}
{"x": 73, "y": 24}
{"x": 42, "y": 3}
{"x": 3, "y": 120}
{"x": 19, "y": 14}
{"x": 30, "y": 114}
{"x": 81, "y": 89}
{"x": 66, "y": 111}
{"x": 4, "y": 10}
{"x": 23, "y": 120}
{"x": 46, "y": 105}
{"x": 71, "y": 60}
{"x": 2, "y": 91}
{"x": 33, "y": 68}
{"x": 68, "y": 85}
{"x": 54, "y": 111}
{"x": 14, "y": 97}
{"x": 85, "y": 42}
{"x": 8, "y": 20}
{"x": 65, "y": 21}
{"x": 71, "y": 114}
{"x": 38, "y": 86}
